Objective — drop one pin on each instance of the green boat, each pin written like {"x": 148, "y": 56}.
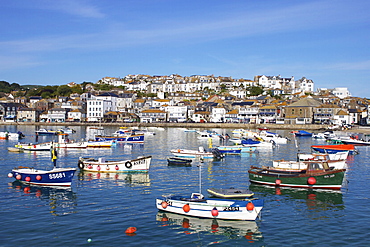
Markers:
{"x": 317, "y": 175}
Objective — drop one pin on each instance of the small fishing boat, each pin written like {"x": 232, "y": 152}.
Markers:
{"x": 200, "y": 153}
{"x": 315, "y": 175}
{"x": 333, "y": 164}
{"x": 54, "y": 177}
{"x": 15, "y": 150}
{"x": 100, "y": 144}
{"x": 230, "y": 193}
{"x": 334, "y": 148}
{"x": 236, "y": 149}
{"x": 47, "y": 132}
{"x": 302, "y": 133}
{"x": 139, "y": 138}
{"x": 198, "y": 206}
{"x": 34, "y": 146}
{"x": 176, "y": 161}
{"x": 354, "y": 140}
{"x": 140, "y": 164}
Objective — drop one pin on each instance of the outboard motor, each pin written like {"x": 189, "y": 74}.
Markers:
{"x": 216, "y": 153}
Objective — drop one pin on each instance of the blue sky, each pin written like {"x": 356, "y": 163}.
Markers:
{"x": 54, "y": 42}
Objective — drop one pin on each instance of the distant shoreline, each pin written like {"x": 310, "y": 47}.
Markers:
{"x": 311, "y": 127}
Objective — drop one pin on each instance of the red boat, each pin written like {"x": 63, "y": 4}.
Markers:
{"x": 334, "y": 148}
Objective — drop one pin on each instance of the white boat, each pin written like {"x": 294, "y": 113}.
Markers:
{"x": 198, "y": 206}
{"x": 302, "y": 164}
{"x": 272, "y": 137}
{"x": 200, "y": 153}
{"x": 204, "y": 135}
{"x": 323, "y": 156}
{"x": 100, "y": 144}
{"x": 34, "y": 146}
{"x": 140, "y": 164}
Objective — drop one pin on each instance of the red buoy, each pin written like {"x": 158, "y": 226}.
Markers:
{"x": 250, "y": 206}
{"x": 214, "y": 212}
{"x": 311, "y": 180}
{"x": 98, "y": 168}
{"x": 18, "y": 177}
{"x": 186, "y": 208}
{"x": 27, "y": 179}
{"x": 38, "y": 177}
{"x": 278, "y": 181}
{"x": 117, "y": 167}
{"x": 164, "y": 204}
{"x": 131, "y": 229}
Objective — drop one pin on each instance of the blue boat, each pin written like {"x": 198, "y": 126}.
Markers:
{"x": 54, "y": 177}
{"x": 302, "y": 133}
{"x": 236, "y": 149}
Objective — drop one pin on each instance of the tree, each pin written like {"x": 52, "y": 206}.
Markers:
{"x": 255, "y": 91}
{"x": 64, "y": 90}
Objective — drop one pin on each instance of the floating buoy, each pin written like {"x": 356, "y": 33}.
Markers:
{"x": 311, "y": 180}
{"x": 278, "y": 181}
{"x": 89, "y": 240}
{"x": 117, "y": 167}
{"x": 38, "y": 177}
{"x": 250, "y": 206}
{"x": 131, "y": 230}
{"x": 27, "y": 179}
{"x": 10, "y": 175}
{"x": 214, "y": 212}
{"x": 19, "y": 177}
{"x": 186, "y": 208}
{"x": 164, "y": 204}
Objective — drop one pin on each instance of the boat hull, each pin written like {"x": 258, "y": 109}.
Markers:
{"x": 34, "y": 147}
{"x": 125, "y": 139}
{"x": 211, "y": 208}
{"x": 54, "y": 177}
{"x": 230, "y": 193}
{"x": 322, "y": 180}
{"x": 179, "y": 161}
{"x": 140, "y": 164}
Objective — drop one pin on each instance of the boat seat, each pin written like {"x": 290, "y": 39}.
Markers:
{"x": 196, "y": 196}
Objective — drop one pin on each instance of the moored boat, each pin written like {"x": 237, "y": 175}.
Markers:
{"x": 140, "y": 164}
{"x": 230, "y": 193}
{"x": 200, "y": 153}
{"x": 334, "y": 148}
{"x": 302, "y": 133}
{"x": 54, "y": 177}
{"x": 179, "y": 161}
{"x": 47, "y": 132}
{"x": 198, "y": 206}
{"x": 34, "y": 146}
{"x": 316, "y": 175}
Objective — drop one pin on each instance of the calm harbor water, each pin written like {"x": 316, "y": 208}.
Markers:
{"x": 100, "y": 207}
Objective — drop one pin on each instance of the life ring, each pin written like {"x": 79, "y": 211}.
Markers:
{"x": 81, "y": 164}
{"x": 128, "y": 164}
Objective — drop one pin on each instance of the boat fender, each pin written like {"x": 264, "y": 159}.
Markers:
{"x": 128, "y": 164}
{"x": 250, "y": 206}
{"x": 107, "y": 168}
{"x": 80, "y": 164}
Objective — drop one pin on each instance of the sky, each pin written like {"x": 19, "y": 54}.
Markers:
{"x": 55, "y": 42}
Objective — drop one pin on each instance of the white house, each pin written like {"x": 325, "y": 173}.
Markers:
{"x": 176, "y": 113}
{"x": 218, "y": 115}
{"x": 98, "y": 105}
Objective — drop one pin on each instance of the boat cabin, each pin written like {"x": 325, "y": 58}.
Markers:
{"x": 317, "y": 166}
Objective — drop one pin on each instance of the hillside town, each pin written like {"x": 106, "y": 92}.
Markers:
{"x": 197, "y": 98}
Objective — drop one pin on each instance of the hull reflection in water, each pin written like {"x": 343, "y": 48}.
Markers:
{"x": 134, "y": 179}
{"x": 316, "y": 201}
{"x": 230, "y": 229}
{"x": 61, "y": 200}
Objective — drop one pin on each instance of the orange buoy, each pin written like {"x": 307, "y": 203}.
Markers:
{"x": 311, "y": 180}
{"x": 214, "y": 212}
{"x": 278, "y": 181}
{"x": 130, "y": 230}
{"x": 38, "y": 177}
{"x": 164, "y": 204}
{"x": 18, "y": 177}
{"x": 186, "y": 208}
{"x": 27, "y": 179}
{"x": 250, "y": 206}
